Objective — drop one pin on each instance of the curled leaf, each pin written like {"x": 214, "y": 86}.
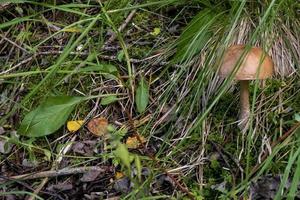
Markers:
{"x": 74, "y": 126}
{"x": 155, "y": 32}
{"x": 134, "y": 142}
{"x": 119, "y": 175}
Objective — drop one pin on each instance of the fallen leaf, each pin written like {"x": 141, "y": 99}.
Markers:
{"x": 90, "y": 176}
{"x": 122, "y": 185}
{"x": 85, "y": 148}
{"x": 29, "y": 163}
{"x": 5, "y": 147}
{"x": 60, "y": 187}
{"x": 155, "y": 32}
{"x": 98, "y": 126}
{"x": 119, "y": 175}
{"x": 134, "y": 142}
{"x": 74, "y": 126}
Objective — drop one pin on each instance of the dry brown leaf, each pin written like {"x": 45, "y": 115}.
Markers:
{"x": 98, "y": 126}
{"x": 134, "y": 142}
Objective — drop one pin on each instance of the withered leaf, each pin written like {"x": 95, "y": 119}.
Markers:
{"x": 98, "y": 126}
{"x": 134, "y": 142}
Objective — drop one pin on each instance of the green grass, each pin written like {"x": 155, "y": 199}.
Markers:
{"x": 193, "y": 111}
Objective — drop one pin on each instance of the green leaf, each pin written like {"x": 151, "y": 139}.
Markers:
{"x": 47, "y": 154}
{"x": 297, "y": 117}
{"x": 197, "y": 33}
{"x": 108, "y": 100}
{"x": 106, "y": 68}
{"x": 122, "y": 153}
{"x": 120, "y": 55}
{"x": 295, "y": 182}
{"x": 138, "y": 166}
{"x": 155, "y": 31}
{"x": 142, "y": 96}
{"x": 49, "y": 116}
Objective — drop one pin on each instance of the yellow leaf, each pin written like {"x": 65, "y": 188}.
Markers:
{"x": 98, "y": 126}
{"x": 74, "y": 126}
{"x": 119, "y": 175}
{"x": 134, "y": 142}
{"x": 155, "y": 31}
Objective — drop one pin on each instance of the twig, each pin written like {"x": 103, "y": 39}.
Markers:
{"x": 121, "y": 28}
{"x": 13, "y": 43}
{"x": 18, "y": 65}
{"x": 181, "y": 187}
{"x": 60, "y": 172}
{"x": 38, "y": 189}
{"x": 55, "y": 164}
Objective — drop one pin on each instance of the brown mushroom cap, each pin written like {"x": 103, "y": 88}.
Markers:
{"x": 250, "y": 66}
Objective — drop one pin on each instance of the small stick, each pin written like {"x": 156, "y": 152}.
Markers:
{"x": 121, "y": 28}
{"x": 61, "y": 172}
{"x": 13, "y": 43}
{"x": 54, "y": 165}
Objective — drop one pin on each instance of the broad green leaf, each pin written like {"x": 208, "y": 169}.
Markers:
{"x": 122, "y": 153}
{"x": 49, "y": 116}
{"x": 142, "y": 96}
{"x": 108, "y": 100}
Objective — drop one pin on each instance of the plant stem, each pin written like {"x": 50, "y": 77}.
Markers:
{"x": 244, "y": 101}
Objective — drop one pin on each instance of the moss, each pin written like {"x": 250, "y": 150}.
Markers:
{"x": 139, "y": 51}
{"x": 215, "y": 137}
{"x": 214, "y": 163}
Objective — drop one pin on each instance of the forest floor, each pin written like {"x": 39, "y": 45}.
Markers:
{"x": 121, "y": 99}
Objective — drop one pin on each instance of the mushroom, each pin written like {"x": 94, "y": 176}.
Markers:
{"x": 248, "y": 65}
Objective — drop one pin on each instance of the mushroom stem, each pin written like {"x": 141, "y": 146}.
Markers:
{"x": 245, "y": 107}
